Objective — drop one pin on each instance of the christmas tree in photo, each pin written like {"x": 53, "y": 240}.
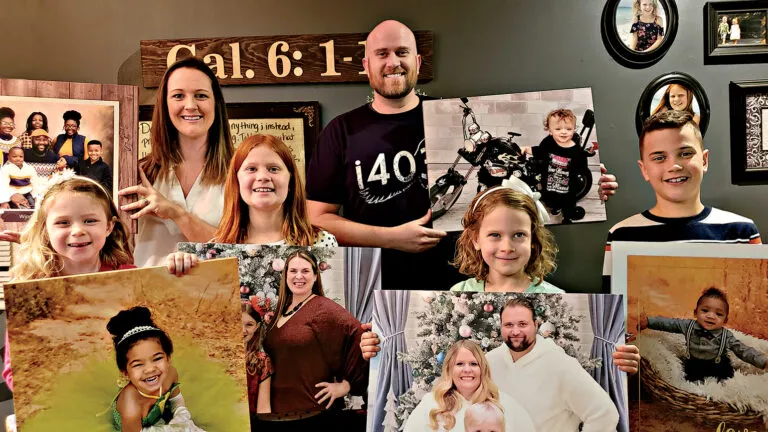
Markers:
{"x": 453, "y": 316}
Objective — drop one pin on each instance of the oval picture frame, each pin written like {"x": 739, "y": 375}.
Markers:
{"x": 620, "y": 51}
{"x": 645, "y": 110}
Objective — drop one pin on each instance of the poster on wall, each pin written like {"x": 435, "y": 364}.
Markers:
{"x": 494, "y": 349}
{"x": 697, "y": 312}
{"x": 297, "y": 124}
{"x": 546, "y": 139}
{"x": 109, "y": 336}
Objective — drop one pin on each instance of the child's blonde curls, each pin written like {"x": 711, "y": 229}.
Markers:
{"x": 543, "y": 247}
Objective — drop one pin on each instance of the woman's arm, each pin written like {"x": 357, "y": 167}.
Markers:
{"x": 263, "y": 405}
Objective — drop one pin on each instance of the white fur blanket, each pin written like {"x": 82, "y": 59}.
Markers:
{"x": 748, "y": 389}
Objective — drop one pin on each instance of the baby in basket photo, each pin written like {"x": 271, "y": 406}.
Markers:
{"x": 707, "y": 340}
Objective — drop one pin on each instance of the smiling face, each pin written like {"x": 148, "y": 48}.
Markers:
{"x": 674, "y": 163}
{"x": 264, "y": 179}
{"x": 504, "y": 241}
{"x": 646, "y": 7}
{"x": 6, "y": 125}
{"x": 711, "y": 313}
{"x": 191, "y": 105}
{"x": 465, "y": 372}
{"x": 391, "y": 60}
{"x": 94, "y": 152}
{"x": 518, "y": 328}
{"x": 562, "y": 131}
{"x": 16, "y": 156}
{"x": 71, "y": 127}
{"x": 678, "y": 97}
{"x": 147, "y": 366}
{"x": 249, "y": 326}
{"x": 37, "y": 121}
{"x": 40, "y": 143}
{"x": 300, "y": 278}
{"x": 77, "y": 227}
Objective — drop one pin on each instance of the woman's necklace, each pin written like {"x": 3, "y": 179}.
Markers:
{"x": 295, "y": 308}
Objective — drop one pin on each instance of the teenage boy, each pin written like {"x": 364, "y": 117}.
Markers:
{"x": 673, "y": 160}
{"x": 95, "y": 168}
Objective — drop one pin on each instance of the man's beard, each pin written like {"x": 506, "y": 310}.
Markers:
{"x": 520, "y": 348}
{"x": 379, "y": 86}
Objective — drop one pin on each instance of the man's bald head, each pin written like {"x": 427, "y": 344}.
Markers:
{"x": 390, "y": 29}
{"x": 391, "y": 61}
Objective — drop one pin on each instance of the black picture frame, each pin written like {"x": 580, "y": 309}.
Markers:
{"x": 621, "y": 52}
{"x": 308, "y": 112}
{"x": 716, "y": 52}
{"x": 645, "y": 110}
{"x": 748, "y": 108}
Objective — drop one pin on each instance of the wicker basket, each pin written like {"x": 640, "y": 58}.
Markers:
{"x": 689, "y": 403}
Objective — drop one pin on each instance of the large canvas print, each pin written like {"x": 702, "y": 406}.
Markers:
{"x": 547, "y": 139}
{"x": 521, "y": 362}
{"x": 698, "y": 315}
{"x": 303, "y": 309}
{"x": 83, "y": 347}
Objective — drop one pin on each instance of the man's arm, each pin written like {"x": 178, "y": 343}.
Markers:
{"x": 410, "y": 237}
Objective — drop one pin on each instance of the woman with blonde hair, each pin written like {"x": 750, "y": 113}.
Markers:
{"x": 465, "y": 380}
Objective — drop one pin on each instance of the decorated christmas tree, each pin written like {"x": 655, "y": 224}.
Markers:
{"x": 260, "y": 267}
{"x": 453, "y": 316}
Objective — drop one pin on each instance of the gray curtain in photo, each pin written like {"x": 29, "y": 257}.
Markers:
{"x": 362, "y": 275}
{"x": 390, "y": 311}
{"x": 608, "y": 325}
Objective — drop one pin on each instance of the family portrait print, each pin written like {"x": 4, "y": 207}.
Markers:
{"x": 545, "y": 139}
{"x": 701, "y": 326}
{"x": 109, "y": 336}
{"x": 462, "y": 354}
{"x": 56, "y": 135}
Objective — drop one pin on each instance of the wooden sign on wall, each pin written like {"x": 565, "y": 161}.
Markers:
{"x": 326, "y": 58}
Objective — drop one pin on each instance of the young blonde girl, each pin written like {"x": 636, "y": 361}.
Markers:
{"x": 75, "y": 229}
{"x": 276, "y": 217}
{"x": 648, "y": 28}
{"x": 505, "y": 246}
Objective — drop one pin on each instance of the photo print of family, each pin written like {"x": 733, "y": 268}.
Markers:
{"x": 45, "y": 137}
{"x": 699, "y": 315}
{"x": 496, "y": 361}
{"x": 544, "y": 141}
{"x": 110, "y": 337}
{"x": 302, "y": 309}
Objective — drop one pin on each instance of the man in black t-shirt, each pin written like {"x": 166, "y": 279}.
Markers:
{"x": 371, "y": 161}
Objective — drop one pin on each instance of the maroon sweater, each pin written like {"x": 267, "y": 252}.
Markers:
{"x": 320, "y": 343}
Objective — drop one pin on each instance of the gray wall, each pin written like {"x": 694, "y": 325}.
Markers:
{"x": 483, "y": 47}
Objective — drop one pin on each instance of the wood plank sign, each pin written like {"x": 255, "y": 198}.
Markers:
{"x": 326, "y": 58}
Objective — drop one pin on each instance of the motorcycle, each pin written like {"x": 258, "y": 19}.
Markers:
{"x": 497, "y": 159}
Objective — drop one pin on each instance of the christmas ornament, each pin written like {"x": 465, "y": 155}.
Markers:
{"x": 323, "y": 266}
{"x": 465, "y": 331}
{"x": 440, "y": 357}
{"x": 488, "y": 307}
{"x": 278, "y": 264}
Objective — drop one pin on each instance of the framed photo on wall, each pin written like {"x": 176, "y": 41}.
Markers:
{"x": 673, "y": 91}
{"x": 735, "y": 32}
{"x": 296, "y": 123}
{"x": 637, "y": 36}
{"x": 749, "y": 132}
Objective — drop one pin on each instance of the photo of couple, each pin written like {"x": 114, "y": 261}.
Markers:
{"x": 496, "y": 361}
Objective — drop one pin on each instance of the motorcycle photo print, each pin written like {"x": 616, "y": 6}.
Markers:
{"x": 546, "y": 139}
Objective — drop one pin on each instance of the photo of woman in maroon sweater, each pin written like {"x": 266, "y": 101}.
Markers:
{"x": 314, "y": 344}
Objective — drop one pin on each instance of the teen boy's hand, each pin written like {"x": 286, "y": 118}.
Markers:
{"x": 608, "y": 184}
{"x": 369, "y": 342}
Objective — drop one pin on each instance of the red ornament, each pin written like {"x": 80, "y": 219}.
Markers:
{"x": 488, "y": 307}
{"x": 323, "y": 266}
